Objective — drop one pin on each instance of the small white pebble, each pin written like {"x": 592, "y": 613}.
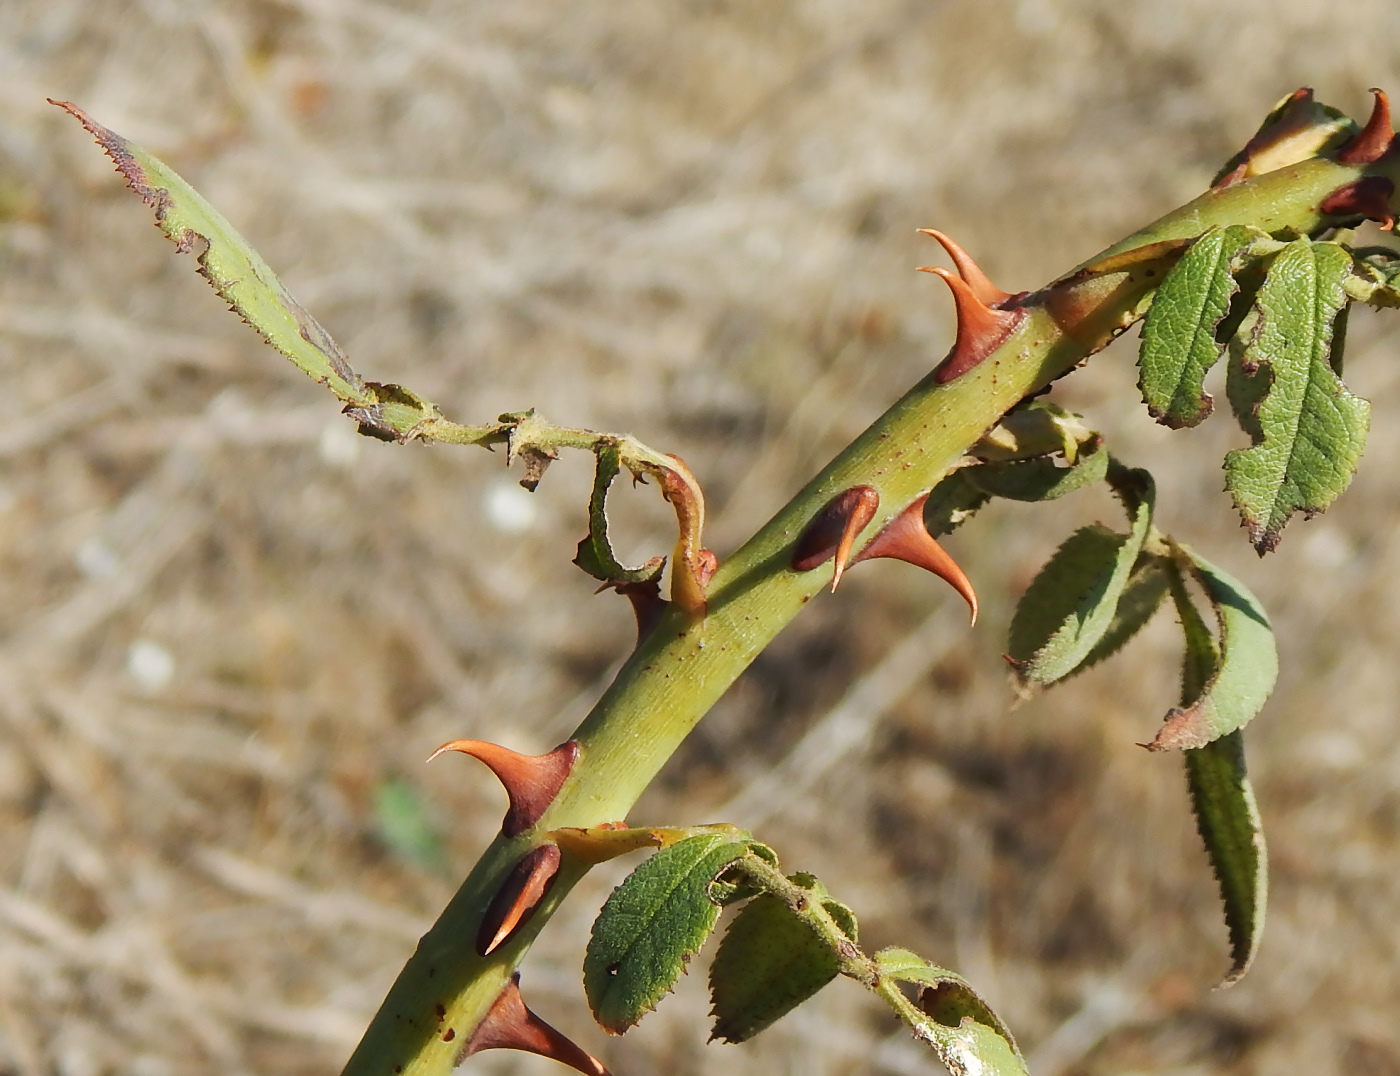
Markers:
{"x": 97, "y": 560}
{"x": 340, "y": 445}
{"x": 510, "y": 509}
{"x": 151, "y": 665}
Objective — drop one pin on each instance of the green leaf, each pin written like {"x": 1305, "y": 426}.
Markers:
{"x": 650, "y": 927}
{"x": 1178, "y": 335}
{"x": 1141, "y": 599}
{"x": 234, "y": 268}
{"x": 951, "y": 503}
{"x": 1244, "y": 675}
{"x": 1041, "y": 479}
{"x": 595, "y": 555}
{"x": 969, "y": 1038}
{"x": 1308, "y": 430}
{"x": 1227, "y": 816}
{"x": 768, "y": 963}
{"x": 1070, "y": 606}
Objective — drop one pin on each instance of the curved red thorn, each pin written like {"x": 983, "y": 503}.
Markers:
{"x": 906, "y": 538}
{"x": 520, "y": 894}
{"x": 981, "y": 328}
{"x": 509, "y": 1025}
{"x": 1374, "y": 139}
{"x": 969, "y": 270}
{"x": 833, "y": 531}
{"x": 1367, "y": 197}
{"x": 531, "y": 781}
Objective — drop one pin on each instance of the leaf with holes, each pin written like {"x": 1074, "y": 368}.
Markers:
{"x": 1308, "y": 430}
{"x": 1178, "y": 336}
{"x": 651, "y": 926}
{"x": 952, "y": 1018}
{"x": 1242, "y": 678}
{"x": 1070, "y": 605}
{"x": 769, "y": 962}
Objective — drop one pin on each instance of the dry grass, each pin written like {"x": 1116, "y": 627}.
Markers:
{"x": 232, "y": 632}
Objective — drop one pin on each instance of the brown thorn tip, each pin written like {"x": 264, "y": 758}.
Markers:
{"x": 969, "y": 270}
{"x": 981, "y": 328}
{"x": 510, "y": 1025}
{"x": 531, "y": 781}
{"x": 832, "y": 532}
{"x": 906, "y": 538}
{"x": 1374, "y": 139}
{"x": 528, "y": 883}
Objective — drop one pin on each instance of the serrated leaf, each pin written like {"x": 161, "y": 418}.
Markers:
{"x": 1242, "y": 678}
{"x": 1222, "y": 799}
{"x": 969, "y": 1038}
{"x": 1227, "y": 818}
{"x": 652, "y": 924}
{"x": 1308, "y": 429}
{"x": 1141, "y": 598}
{"x": 595, "y": 554}
{"x": 951, "y": 503}
{"x": 1070, "y": 605}
{"x": 1044, "y": 478}
{"x": 767, "y": 964}
{"x": 231, "y": 265}
{"x": 1179, "y": 334}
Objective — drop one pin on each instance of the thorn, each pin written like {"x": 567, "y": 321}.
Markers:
{"x": 647, "y": 603}
{"x": 906, "y": 538}
{"x": 970, "y": 271}
{"x": 981, "y": 328}
{"x": 1367, "y": 197}
{"x": 509, "y": 1025}
{"x": 531, "y": 781}
{"x": 1374, "y": 139}
{"x": 520, "y": 894}
{"x": 833, "y": 531}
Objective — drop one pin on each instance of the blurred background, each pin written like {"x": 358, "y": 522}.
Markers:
{"x": 233, "y": 630}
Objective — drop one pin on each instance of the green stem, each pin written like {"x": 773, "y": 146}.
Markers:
{"x": 684, "y": 665}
